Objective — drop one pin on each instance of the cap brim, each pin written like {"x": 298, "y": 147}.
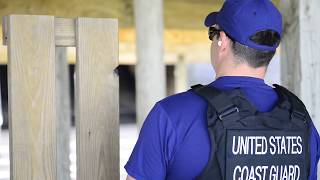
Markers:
{"x": 211, "y": 19}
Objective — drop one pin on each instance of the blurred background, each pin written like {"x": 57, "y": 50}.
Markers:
{"x": 163, "y": 46}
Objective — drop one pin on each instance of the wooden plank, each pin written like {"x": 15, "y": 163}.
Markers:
{"x": 97, "y": 99}
{"x": 193, "y": 44}
{"x": 65, "y": 32}
{"x": 32, "y": 104}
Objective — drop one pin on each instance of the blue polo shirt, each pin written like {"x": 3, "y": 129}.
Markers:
{"x": 174, "y": 144}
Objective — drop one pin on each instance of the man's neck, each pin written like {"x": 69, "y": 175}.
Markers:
{"x": 242, "y": 70}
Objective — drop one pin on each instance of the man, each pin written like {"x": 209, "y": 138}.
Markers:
{"x": 174, "y": 142}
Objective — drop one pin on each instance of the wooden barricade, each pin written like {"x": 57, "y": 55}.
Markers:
{"x": 35, "y": 95}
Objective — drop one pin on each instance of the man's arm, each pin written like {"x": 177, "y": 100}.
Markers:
{"x": 151, "y": 153}
{"x": 130, "y": 178}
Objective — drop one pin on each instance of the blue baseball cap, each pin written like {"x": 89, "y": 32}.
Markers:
{"x": 241, "y": 19}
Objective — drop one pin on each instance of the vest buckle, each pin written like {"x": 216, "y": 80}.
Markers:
{"x": 228, "y": 112}
{"x": 298, "y": 115}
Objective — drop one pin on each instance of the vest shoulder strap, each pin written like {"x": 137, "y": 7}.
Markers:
{"x": 297, "y": 106}
{"x": 299, "y": 113}
{"x": 220, "y": 106}
{"x": 216, "y": 98}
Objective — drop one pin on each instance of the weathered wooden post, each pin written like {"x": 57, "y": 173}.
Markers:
{"x": 150, "y": 68}
{"x": 300, "y": 55}
{"x": 32, "y": 97}
{"x": 97, "y": 99}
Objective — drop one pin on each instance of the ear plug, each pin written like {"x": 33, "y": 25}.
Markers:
{"x": 219, "y": 43}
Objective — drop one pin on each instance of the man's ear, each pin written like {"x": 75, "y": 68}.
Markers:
{"x": 225, "y": 41}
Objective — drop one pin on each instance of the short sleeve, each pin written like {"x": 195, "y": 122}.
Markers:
{"x": 314, "y": 151}
{"x": 152, "y": 152}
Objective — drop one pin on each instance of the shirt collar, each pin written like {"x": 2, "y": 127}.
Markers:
{"x": 231, "y": 82}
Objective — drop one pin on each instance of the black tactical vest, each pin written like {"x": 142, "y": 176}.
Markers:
{"x": 251, "y": 145}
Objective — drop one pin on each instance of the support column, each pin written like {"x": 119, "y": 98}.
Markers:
{"x": 150, "y": 68}
{"x": 180, "y": 75}
{"x": 300, "y": 63}
{"x": 1, "y": 116}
